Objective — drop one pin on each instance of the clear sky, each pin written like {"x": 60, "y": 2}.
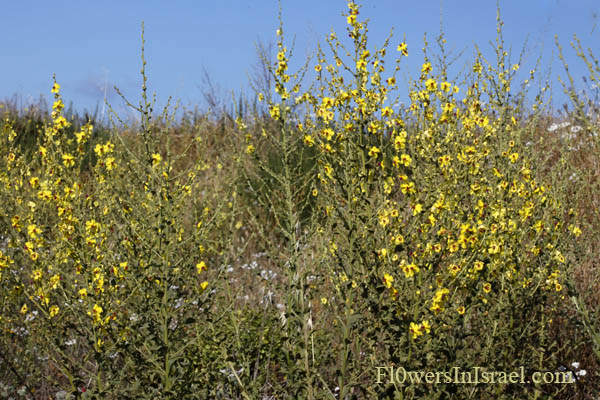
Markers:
{"x": 91, "y": 45}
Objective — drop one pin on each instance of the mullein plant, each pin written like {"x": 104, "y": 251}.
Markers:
{"x": 281, "y": 180}
{"x": 583, "y": 138}
{"x": 110, "y": 273}
{"x": 439, "y": 227}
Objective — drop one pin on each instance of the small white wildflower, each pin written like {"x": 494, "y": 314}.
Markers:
{"x": 62, "y": 395}
{"x": 572, "y": 178}
{"x": 575, "y": 365}
{"x": 179, "y": 302}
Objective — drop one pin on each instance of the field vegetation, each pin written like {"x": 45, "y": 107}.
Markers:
{"x": 289, "y": 245}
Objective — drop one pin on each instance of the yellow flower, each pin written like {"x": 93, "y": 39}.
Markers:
{"x": 494, "y": 248}
{"x": 201, "y": 266}
{"x": 24, "y": 309}
{"x": 53, "y": 311}
{"x": 204, "y": 285}
{"x": 426, "y": 68}
{"x": 156, "y": 159}
{"x": 417, "y": 209}
{"x": 96, "y": 313}
{"x": 33, "y": 231}
{"x": 405, "y": 160}
{"x": 426, "y": 326}
{"x": 558, "y": 287}
{"x": 58, "y": 105}
{"x": 110, "y": 163}
{"x": 403, "y": 48}
{"x": 274, "y": 111}
{"x": 61, "y": 122}
{"x": 431, "y": 85}
{"x": 410, "y": 270}
{"x": 55, "y": 88}
{"x": 487, "y": 287}
{"x": 327, "y": 133}
{"x": 387, "y": 280}
{"x": 460, "y": 310}
{"x": 54, "y": 281}
{"x": 454, "y": 269}
{"x": 68, "y": 160}
{"x": 408, "y": 187}
{"x": 308, "y": 140}
{"x": 37, "y": 274}
{"x": 415, "y": 330}
{"x": 83, "y": 293}
{"x": 441, "y": 294}
{"x": 384, "y": 220}
{"x": 559, "y": 257}
{"x": 361, "y": 64}
{"x": 327, "y": 102}
{"x": 374, "y": 151}
{"x": 324, "y": 300}
{"x": 387, "y": 112}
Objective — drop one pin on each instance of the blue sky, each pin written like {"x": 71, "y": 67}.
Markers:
{"x": 91, "y": 45}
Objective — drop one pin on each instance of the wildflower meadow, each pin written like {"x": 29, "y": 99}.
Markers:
{"x": 320, "y": 240}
